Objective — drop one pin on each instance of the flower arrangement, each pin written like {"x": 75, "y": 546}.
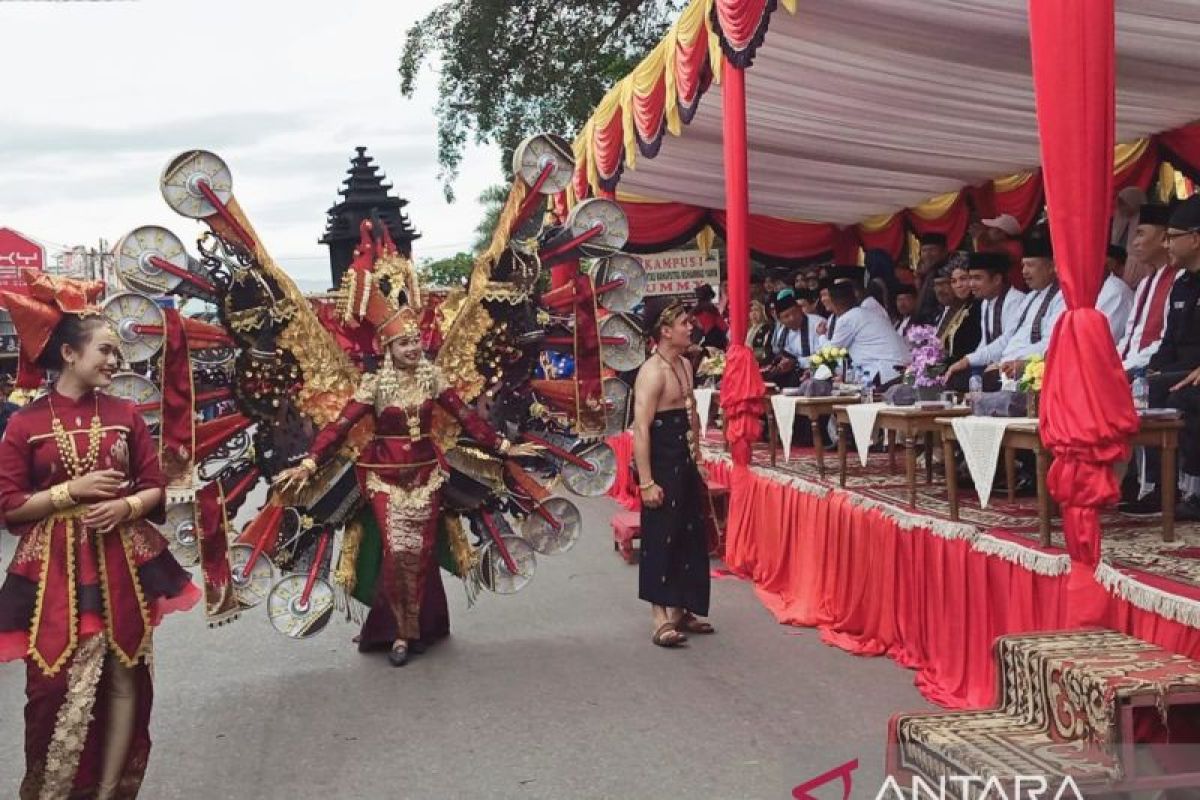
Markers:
{"x": 713, "y": 363}
{"x": 829, "y": 356}
{"x": 826, "y": 361}
{"x": 1031, "y": 377}
{"x": 928, "y": 365}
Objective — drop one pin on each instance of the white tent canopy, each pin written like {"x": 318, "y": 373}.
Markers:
{"x": 863, "y": 107}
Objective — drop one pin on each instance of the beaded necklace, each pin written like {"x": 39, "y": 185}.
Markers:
{"x": 76, "y": 466}
{"x": 689, "y": 400}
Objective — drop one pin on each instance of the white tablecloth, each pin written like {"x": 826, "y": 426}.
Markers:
{"x": 980, "y": 439}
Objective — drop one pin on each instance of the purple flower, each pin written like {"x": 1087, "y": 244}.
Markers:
{"x": 928, "y": 355}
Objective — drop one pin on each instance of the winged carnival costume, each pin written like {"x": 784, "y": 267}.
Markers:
{"x": 409, "y": 467}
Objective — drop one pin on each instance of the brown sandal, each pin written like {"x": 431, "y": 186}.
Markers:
{"x": 667, "y": 636}
{"x": 690, "y": 624}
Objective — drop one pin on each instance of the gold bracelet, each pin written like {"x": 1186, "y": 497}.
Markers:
{"x": 645, "y": 486}
{"x": 309, "y": 465}
{"x": 136, "y": 506}
{"x": 505, "y": 446}
{"x": 60, "y": 496}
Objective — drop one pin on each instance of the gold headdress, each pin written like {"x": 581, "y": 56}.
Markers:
{"x": 381, "y": 289}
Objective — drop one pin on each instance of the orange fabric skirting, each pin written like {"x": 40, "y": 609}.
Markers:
{"x": 875, "y": 587}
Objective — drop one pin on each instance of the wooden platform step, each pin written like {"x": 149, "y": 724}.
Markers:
{"x": 1070, "y": 704}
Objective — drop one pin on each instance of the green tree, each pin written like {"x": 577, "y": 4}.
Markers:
{"x": 492, "y": 199}
{"x": 447, "y": 272}
{"x": 511, "y": 69}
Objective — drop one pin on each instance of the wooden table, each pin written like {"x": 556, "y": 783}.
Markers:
{"x": 812, "y": 408}
{"x": 908, "y": 424}
{"x": 1160, "y": 432}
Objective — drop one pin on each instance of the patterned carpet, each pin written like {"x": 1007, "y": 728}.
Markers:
{"x": 1128, "y": 542}
{"x": 1061, "y": 696}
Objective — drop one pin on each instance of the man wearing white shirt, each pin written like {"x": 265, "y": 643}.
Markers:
{"x": 1116, "y": 298}
{"x": 1035, "y": 322}
{"x": 796, "y": 340}
{"x": 1144, "y": 330}
{"x": 1000, "y": 303}
{"x": 870, "y": 339}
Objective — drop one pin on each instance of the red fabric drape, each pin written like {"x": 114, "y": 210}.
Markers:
{"x": 890, "y": 238}
{"x": 609, "y": 150}
{"x": 624, "y": 489}
{"x": 952, "y": 224}
{"x": 1024, "y": 202}
{"x": 875, "y": 587}
{"x": 1086, "y": 416}
{"x": 1182, "y": 147}
{"x": 742, "y": 386}
{"x": 177, "y": 434}
{"x": 654, "y": 227}
{"x": 1140, "y": 173}
{"x": 741, "y": 22}
{"x": 781, "y": 238}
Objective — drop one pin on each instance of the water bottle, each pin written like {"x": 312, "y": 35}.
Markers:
{"x": 974, "y": 388}
{"x": 1141, "y": 390}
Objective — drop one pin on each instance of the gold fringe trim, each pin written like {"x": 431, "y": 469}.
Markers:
{"x": 73, "y": 720}
{"x": 1042, "y": 563}
{"x": 465, "y": 556}
{"x": 128, "y": 659}
{"x": 346, "y": 575}
{"x": 50, "y": 670}
{"x": 1148, "y": 598}
{"x": 501, "y": 236}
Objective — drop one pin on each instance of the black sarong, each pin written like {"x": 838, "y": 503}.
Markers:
{"x": 674, "y": 547}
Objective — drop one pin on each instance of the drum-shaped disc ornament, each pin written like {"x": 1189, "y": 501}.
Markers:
{"x": 543, "y": 150}
{"x": 616, "y": 406}
{"x": 627, "y": 349}
{"x": 254, "y": 586}
{"x": 595, "y": 479}
{"x": 291, "y": 615}
{"x": 632, "y": 276}
{"x": 494, "y": 572}
{"x": 181, "y": 181}
{"x": 180, "y": 533}
{"x": 136, "y": 253}
{"x": 139, "y": 324}
{"x": 553, "y": 537}
{"x": 140, "y": 391}
{"x": 604, "y": 216}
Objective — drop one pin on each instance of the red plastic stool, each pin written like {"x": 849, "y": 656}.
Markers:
{"x": 626, "y": 526}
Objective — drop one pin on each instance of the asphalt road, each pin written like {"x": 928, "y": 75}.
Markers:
{"x": 553, "y": 693}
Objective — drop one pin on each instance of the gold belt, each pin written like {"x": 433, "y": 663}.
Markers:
{"x": 410, "y": 465}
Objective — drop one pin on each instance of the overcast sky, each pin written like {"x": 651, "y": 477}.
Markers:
{"x": 97, "y": 96}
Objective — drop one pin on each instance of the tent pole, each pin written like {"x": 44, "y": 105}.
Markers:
{"x": 737, "y": 198}
{"x": 742, "y": 387}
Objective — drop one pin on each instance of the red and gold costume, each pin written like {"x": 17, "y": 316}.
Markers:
{"x": 401, "y": 472}
{"x": 75, "y": 599}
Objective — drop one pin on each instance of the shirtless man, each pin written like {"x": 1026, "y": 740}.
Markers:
{"x": 673, "y": 575}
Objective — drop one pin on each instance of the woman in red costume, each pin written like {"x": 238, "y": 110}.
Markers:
{"x": 400, "y": 472}
{"x": 79, "y": 478}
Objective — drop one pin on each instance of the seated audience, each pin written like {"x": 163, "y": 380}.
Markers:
{"x": 1175, "y": 368}
{"x": 906, "y": 307}
{"x": 1116, "y": 298}
{"x": 870, "y": 339}
{"x": 1006, "y": 355}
